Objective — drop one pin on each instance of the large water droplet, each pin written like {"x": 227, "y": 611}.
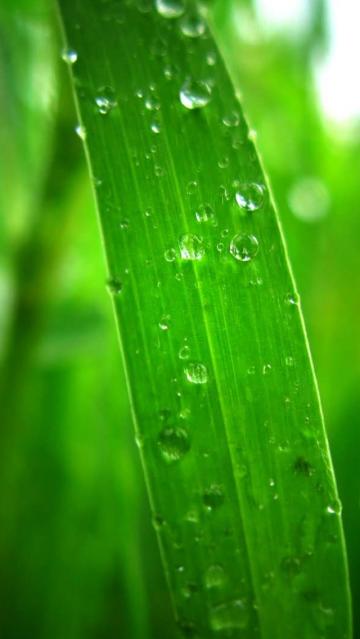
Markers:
{"x": 170, "y": 8}
{"x": 250, "y": 197}
{"x": 230, "y": 615}
{"x": 195, "y": 94}
{"x": 173, "y": 443}
{"x": 191, "y": 247}
{"x": 69, "y": 56}
{"x": 244, "y": 247}
{"x": 192, "y": 25}
{"x": 196, "y": 373}
{"x": 105, "y": 100}
{"x": 213, "y": 497}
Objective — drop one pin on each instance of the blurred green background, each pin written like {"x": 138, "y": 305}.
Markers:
{"x": 78, "y": 554}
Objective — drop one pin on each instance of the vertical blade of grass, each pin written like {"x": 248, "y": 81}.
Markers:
{"x": 224, "y": 397}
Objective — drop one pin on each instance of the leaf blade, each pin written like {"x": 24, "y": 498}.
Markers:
{"x": 248, "y": 489}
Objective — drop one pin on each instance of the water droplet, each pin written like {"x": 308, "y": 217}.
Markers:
{"x": 231, "y": 119}
{"x": 69, "y": 56}
{"x": 105, "y": 100}
{"x": 192, "y": 25}
{"x": 292, "y": 299}
{"x": 224, "y": 162}
{"x": 211, "y": 58}
{"x": 230, "y": 615}
{"x": 191, "y": 247}
{"x": 244, "y": 247}
{"x": 191, "y": 187}
{"x": 213, "y": 497}
{"x": 205, "y": 213}
{"x": 192, "y": 516}
{"x": 214, "y": 577}
{"x": 155, "y": 126}
{"x": 159, "y": 171}
{"x": 289, "y": 361}
{"x": 164, "y": 323}
{"x": 250, "y": 197}
{"x": 196, "y": 373}
{"x": 173, "y": 443}
{"x": 335, "y": 508}
{"x": 195, "y": 94}
{"x": 303, "y": 467}
{"x": 80, "y": 132}
{"x": 152, "y": 103}
{"x": 114, "y": 286}
{"x": 184, "y": 352}
{"x": 266, "y": 369}
{"x": 170, "y": 8}
{"x": 158, "y": 521}
{"x": 170, "y": 255}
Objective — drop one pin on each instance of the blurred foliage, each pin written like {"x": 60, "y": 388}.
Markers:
{"x": 74, "y": 560}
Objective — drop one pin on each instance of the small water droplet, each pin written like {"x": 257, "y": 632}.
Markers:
{"x": 191, "y": 247}
{"x": 164, "y": 323}
{"x": 170, "y": 8}
{"x": 196, "y": 373}
{"x": 184, "y": 352}
{"x": 192, "y": 25}
{"x": 152, "y": 103}
{"x": 159, "y": 171}
{"x": 244, "y": 247}
{"x": 158, "y": 521}
{"x": 292, "y": 299}
{"x": 114, "y": 286}
{"x": 155, "y": 126}
{"x": 335, "y": 508}
{"x": 80, "y": 132}
{"x": 231, "y": 119}
{"x": 69, "y": 56}
{"x": 170, "y": 255}
{"x": 213, "y": 497}
{"x": 195, "y": 94}
{"x": 173, "y": 443}
{"x": 303, "y": 467}
{"x": 266, "y": 369}
{"x": 191, "y": 187}
{"x": 205, "y": 213}
{"x": 250, "y": 197}
{"x": 214, "y": 577}
{"x": 105, "y": 100}
{"x": 224, "y": 162}
{"x": 211, "y": 58}
{"x": 289, "y": 361}
{"x": 232, "y": 615}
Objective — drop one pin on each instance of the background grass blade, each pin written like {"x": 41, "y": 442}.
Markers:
{"x": 226, "y": 406}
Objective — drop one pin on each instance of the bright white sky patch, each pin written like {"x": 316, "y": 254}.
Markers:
{"x": 282, "y": 14}
{"x": 337, "y": 75}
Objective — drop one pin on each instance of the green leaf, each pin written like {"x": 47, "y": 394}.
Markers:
{"x": 224, "y": 397}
